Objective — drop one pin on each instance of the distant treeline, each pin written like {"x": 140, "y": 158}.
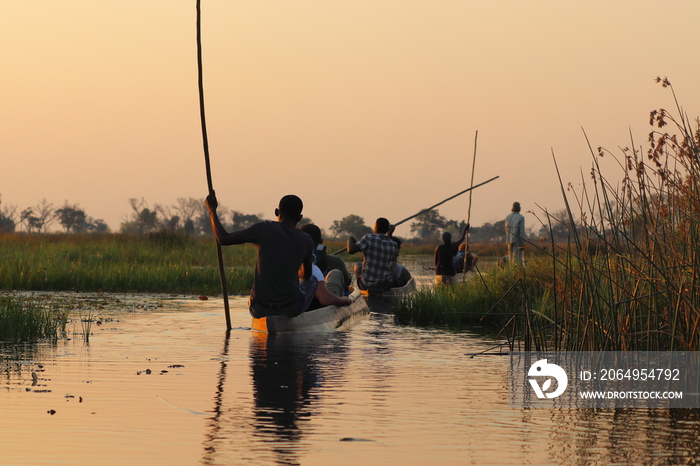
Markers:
{"x": 189, "y": 216}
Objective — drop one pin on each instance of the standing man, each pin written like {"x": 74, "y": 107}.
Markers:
{"x": 282, "y": 250}
{"x": 515, "y": 234}
{"x": 378, "y": 251}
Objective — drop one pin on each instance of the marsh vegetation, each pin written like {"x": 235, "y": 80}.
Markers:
{"x": 163, "y": 263}
{"x": 627, "y": 279}
{"x": 22, "y": 320}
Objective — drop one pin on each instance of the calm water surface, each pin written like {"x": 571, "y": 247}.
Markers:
{"x": 160, "y": 382}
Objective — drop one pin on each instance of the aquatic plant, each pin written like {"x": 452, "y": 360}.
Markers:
{"x": 628, "y": 276}
{"x": 86, "y": 321}
{"x": 640, "y": 287}
{"x": 22, "y": 320}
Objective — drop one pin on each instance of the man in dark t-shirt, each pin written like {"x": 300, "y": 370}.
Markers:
{"x": 444, "y": 267}
{"x": 282, "y": 250}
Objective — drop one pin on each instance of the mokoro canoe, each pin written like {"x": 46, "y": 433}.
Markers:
{"x": 323, "y": 319}
{"x": 397, "y": 292}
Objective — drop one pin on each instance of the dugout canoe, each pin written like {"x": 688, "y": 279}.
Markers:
{"x": 324, "y": 319}
{"x": 396, "y": 292}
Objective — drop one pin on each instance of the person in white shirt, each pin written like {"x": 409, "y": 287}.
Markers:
{"x": 515, "y": 234}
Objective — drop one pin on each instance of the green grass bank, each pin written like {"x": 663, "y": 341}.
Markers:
{"x": 160, "y": 263}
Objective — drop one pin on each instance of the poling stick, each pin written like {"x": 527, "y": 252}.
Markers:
{"x": 205, "y": 143}
{"x": 469, "y": 212}
{"x": 433, "y": 206}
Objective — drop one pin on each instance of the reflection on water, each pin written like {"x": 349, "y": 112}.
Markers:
{"x": 376, "y": 394}
{"x": 626, "y": 436}
{"x": 286, "y": 376}
{"x": 282, "y": 384}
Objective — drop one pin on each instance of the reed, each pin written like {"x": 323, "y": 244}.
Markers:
{"x": 22, "y": 321}
{"x": 628, "y": 278}
{"x": 121, "y": 263}
{"x": 639, "y": 290}
{"x": 495, "y": 297}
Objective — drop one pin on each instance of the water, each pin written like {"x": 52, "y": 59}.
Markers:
{"x": 160, "y": 382}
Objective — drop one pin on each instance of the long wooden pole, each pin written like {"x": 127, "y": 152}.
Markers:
{"x": 205, "y": 143}
{"x": 469, "y": 211}
{"x": 443, "y": 201}
{"x": 433, "y": 206}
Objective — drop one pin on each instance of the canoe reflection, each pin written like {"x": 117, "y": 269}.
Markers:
{"x": 287, "y": 371}
{"x": 284, "y": 375}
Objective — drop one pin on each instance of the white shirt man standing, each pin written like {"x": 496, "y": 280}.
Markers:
{"x": 515, "y": 234}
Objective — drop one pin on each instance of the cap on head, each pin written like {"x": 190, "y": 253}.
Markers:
{"x": 381, "y": 225}
{"x": 313, "y": 231}
{"x": 516, "y": 207}
{"x": 291, "y": 206}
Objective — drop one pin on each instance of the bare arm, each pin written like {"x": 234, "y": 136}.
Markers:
{"x": 464, "y": 235}
{"x": 351, "y": 246}
{"x": 306, "y": 268}
{"x": 222, "y": 236}
{"x": 326, "y": 298}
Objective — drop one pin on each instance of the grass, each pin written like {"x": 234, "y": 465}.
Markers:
{"x": 468, "y": 302}
{"x": 121, "y": 263}
{"x": 159, "y": 263}
{"x": 22, "y": 321}
{"x": 629, "y": 277}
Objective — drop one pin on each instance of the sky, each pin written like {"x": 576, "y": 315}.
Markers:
{"x": 364, "y": 107}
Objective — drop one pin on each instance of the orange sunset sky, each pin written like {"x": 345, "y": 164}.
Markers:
{"x": 364, "y": 107}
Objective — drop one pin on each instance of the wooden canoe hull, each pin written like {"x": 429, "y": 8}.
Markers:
{"x": 397, "y": 292}
{"x": 325, "y": 319}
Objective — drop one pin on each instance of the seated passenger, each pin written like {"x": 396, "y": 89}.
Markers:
{"x": 323, "y": 296}
{"x": 400, "y": 273}
{"x": 328, "y": 262}
{"x": 378, "y": 251}
{"x": 458, "y": 260}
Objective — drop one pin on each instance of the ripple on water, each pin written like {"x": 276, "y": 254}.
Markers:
{"x": 377, "y": 394}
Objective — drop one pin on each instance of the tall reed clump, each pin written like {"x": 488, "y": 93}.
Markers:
{"x": 24, "y": 321}
{"x": 639, "y": 288}
{"x": 629, "y": 276}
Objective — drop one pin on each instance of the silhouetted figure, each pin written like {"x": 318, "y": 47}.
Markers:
{"x": 515, "y": 234}
{"x": 444, "y": 255}
{"x": 282, "y": 251}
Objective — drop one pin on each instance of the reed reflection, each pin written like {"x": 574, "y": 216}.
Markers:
{"x": 20, "y": 366}
{"x": 666, "y": 436}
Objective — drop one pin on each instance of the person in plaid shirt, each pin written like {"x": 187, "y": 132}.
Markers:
{"x": 378, "y": 251}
